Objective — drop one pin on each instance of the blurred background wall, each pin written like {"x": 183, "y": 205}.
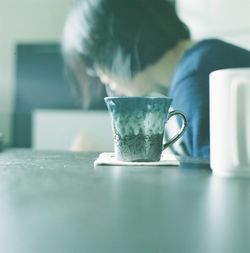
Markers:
{"x": 226, "y": 19}
{"x": 29, "y": 21}
{"x": 24, "y": 22}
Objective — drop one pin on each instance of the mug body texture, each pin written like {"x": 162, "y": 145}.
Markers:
{"x": 138, "y": 125}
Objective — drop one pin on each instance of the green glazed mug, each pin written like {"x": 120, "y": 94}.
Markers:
{"x": 138, "y": 125}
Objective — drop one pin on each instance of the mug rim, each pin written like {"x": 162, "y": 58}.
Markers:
{"x": 137, "y": 97}
{"x": 231, "y": 71}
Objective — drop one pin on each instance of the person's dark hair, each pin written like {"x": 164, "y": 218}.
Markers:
{"x": 122, "y": 37}
{"x": 88, "y": 92}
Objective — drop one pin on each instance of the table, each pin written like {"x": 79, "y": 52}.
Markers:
{"x": 58, "y": 202}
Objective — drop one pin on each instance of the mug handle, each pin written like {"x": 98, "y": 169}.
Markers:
{"x": 181, "y": 131}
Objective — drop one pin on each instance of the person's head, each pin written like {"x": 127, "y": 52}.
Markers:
{"x": 120, "y": 39}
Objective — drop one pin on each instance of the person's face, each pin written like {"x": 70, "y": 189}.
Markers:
{"x": 141, "y": 84}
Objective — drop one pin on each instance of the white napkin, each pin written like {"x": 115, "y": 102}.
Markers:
{"x": 167, "y": 159}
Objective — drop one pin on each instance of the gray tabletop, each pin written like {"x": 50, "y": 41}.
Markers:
{"x": 58, "y": 202}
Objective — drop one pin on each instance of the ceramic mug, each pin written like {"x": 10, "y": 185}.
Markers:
{"x": 230, "y": 122}
{"x": 138, "y": 125}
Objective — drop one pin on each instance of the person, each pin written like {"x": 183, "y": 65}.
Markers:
{"x": 141, "y": 48}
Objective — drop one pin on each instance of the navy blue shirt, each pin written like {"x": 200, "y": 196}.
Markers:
{"x": 189, "y": 88}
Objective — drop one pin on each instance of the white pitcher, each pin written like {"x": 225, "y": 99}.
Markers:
{"x": 230, "y": 122}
